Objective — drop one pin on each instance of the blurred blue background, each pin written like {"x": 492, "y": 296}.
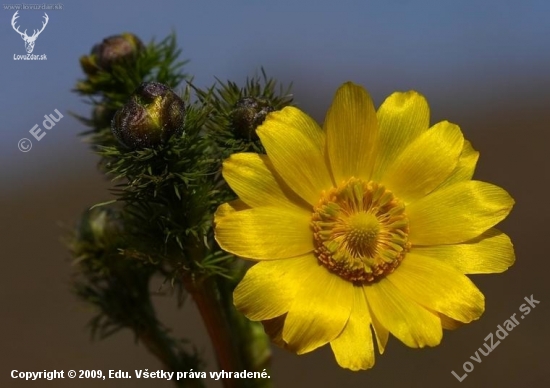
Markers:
{"x": 458, "y": 53}
{"x": 484, "y": 65}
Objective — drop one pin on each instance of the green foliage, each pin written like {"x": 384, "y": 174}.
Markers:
{"x": 222, "y": 98}
{"x": 117, "y": 285}
{"x": 170, "y": 191}
{"x": 111, "y": 89}
{"x": 160, "y": 222}
{"x": 157, "y": 62}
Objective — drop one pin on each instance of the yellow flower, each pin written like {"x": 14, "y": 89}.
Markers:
{"x": 371, "y": 221}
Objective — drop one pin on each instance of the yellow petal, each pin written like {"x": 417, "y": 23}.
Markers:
{"x": 457, "y": 213}
{"x": 449, "y": 323}
{"x": 320, "y": 311}
{"x": 352, "y": 133}
{"x": 402, "y": 117}
{"x": 353, "y": 348}
{"x": 274, "y": 329}
{"x": 438, "y": 286}
{"x": 446, "y": 322}
{"x": 465, "y": 168}
{"x": 264, "y": 232}
{"x": 382, "y": 334}
{"x": 425, "y": 163}
{"x": 254, "y": 180}
{"x": 268, "y": 288}
{"x": 231, "y": 207}
{"x": 295, "y": 144}
{"x": 492, "y": 252}
{"x": 404, "y": 318}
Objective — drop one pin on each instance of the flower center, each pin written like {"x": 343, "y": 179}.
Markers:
{"x": 360, "y": 231}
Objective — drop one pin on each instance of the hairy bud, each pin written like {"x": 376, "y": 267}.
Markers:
{"x": 248, "y": 113}
{"x": 114, "y": 49}
{"x": 152, "y": 116}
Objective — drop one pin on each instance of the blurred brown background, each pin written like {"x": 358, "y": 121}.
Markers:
{"x": 484, "y": 67}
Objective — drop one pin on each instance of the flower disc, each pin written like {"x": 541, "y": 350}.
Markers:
{"x": 360, "y": 231}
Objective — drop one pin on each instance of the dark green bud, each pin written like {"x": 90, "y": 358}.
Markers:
{"x": 152, "y": 116}
{"x": 116, "y": 49}
{"x": 248, "y": 113}
{"x": 99, "y": 226}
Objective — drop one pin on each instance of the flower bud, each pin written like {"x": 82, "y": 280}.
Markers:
{"x": 98, "y": 226}
{"x": 114, "y": 49}
{"x": 88, "y": 64}
{"x": 152, "y": 116}
{"x": 248, "y": 113}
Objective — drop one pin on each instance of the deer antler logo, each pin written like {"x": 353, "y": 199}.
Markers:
{"x": 29, "y": 40}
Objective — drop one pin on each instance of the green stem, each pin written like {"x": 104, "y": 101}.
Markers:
{"x": 150, "y": 332}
